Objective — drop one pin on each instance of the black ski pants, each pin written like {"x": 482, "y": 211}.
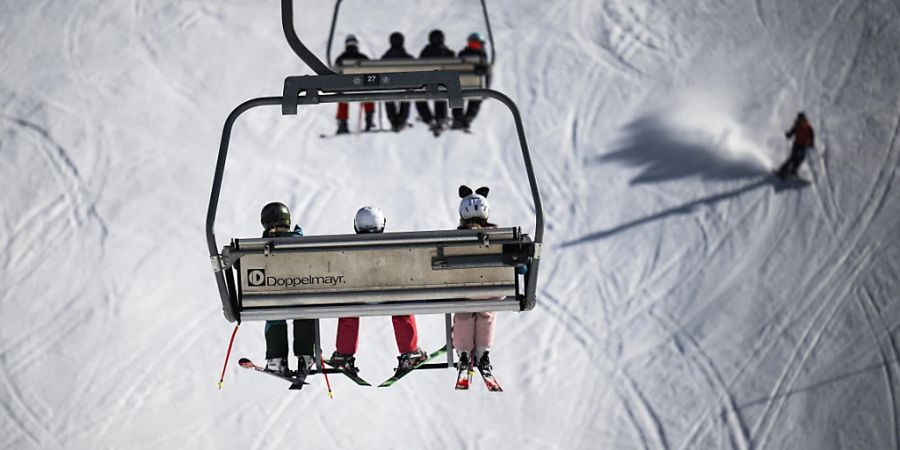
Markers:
{"x": 440, "y": 111}
{"x": 790, "y": 167}
{"x": 397, "y": 112}
{"x": 277, "y": 339}
{"x": 469, "y": 112}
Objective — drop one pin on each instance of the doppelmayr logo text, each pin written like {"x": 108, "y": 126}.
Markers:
{"x": 258, "y": 278}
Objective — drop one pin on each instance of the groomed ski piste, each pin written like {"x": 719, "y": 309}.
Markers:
{"x": 686, "y": 300}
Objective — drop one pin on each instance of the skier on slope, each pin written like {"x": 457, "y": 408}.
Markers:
{"x": 473, "y": 333}
{"x": 434, "y": 49}
{"x": 351, "y": 52}
{"x": 276, "y": 220}
{"x": 372, "y": 220}
{"x": 397, "y": 112}
{"x": 462, "y": 117}
{"x": 804, "y": 140}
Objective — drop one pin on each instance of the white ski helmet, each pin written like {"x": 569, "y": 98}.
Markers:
{"x": 369, "y": 220}
{"x": 474, "y": 205}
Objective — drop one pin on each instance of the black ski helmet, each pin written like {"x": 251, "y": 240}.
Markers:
{"x": 396, "y": 39}
{"x": 275, "y": 214}
{"x": 436, "y": 37}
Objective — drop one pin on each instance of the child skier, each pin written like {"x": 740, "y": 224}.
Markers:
{"x": 351, "y": 52}
{"x": 473, "y": 333}
{"x": 371, "y": 220}
{"x": 276, "y": 220}
{"x": 435, "y": 49}
{"x": 397, "y": 112}
{"x": 463, "y": 117}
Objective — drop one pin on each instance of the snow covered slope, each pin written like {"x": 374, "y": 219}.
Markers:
{"x": 686, "y": 300}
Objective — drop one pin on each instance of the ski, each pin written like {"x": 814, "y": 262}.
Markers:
{"x": 464, "y": 380}
{"x": 296, "y": 381}
{"x": 351, "y": 375}
{"x": 400, "y": 374}
{"x": 788, "y": 181}
{"x": 490, "y": 381}
{"x": 464, "y": 376}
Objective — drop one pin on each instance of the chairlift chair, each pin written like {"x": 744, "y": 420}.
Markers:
{"x": 331, "y": 276}
{"x": 474, "y": 72}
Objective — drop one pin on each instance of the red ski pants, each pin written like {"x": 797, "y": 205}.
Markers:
{"x": 343, "y": 111}
{"x": 404, "y": 332}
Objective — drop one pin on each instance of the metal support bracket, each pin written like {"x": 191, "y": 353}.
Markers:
{"x": 217, "y": 264}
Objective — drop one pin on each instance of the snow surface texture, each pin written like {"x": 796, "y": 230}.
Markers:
{"x": 684, "y": 302}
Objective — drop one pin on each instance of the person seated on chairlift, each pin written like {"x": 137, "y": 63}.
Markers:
{"x": 372, "y": 220}
{"x": 473, "y": 333}
{"x": 351, "y": 52}
{"x": 397, "y": 112}
{"x": 276, "y": 220}
{"x": 463, "y": 117}
{"x": 435, "y": 49}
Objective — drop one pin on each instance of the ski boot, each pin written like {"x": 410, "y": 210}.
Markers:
{"x": 409, "y": 360}
{"x": 459, "y": 124}
{"x": 436, "y": 127}
{"x": 304, "y": 364}
{"x": 484, "y": 363}
{"x": 343, "y": 361}
{"x": 278, "y": 365}
{"x": 370, "y": 123}
{"x": 342, "y": 127}
{"x": 464, "y": 369}
{"x": 398, "y": 126}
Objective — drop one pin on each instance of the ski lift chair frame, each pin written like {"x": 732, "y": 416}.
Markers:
{"x": 475, "y": 73}
{"x": 332, "y": 276}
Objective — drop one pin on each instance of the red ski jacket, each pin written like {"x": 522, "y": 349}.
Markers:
{"x": 802, "y": 133}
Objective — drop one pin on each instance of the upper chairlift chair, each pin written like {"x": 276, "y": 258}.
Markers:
{"x": 331, "y": 276}
{"x": 474, "y": 72}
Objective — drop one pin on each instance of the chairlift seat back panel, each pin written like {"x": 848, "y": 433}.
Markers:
{"x": 397, "y": 267}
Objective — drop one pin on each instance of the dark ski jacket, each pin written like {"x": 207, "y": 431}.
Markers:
{"x": 351, "y": 52}
{"x": 397, "y": 52}
{"x": 298, "y": 232}
{"x": 802, "y": 132}
{"x": 436, "y": 51}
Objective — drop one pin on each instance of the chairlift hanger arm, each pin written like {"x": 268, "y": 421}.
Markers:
{"x": 334, "y": 16}
{"x": 287, "y": 23}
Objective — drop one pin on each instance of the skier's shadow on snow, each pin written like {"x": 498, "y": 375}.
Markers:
{"x": 665, "y": 153}
{"x": 687, "y": 208}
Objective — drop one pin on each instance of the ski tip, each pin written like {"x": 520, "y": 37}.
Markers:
{"x": 220, "y": 384}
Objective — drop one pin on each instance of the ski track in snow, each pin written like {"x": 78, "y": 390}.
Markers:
{"x": 867, "y": 304}
{"x": 593, "y": 66}
{"x": 719, "y": 390}
{"x": 814, "y": 331}
{"x": 74, "y": 189}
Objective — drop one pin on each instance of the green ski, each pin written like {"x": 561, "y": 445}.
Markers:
{"x": 400, "y": 374}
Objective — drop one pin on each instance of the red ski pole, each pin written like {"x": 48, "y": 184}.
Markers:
{"x": 227, "y": 355}
{"x": 327, "y": 383}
